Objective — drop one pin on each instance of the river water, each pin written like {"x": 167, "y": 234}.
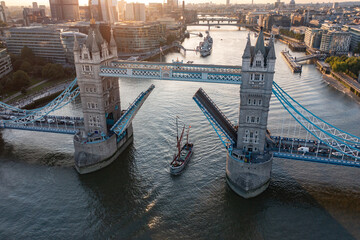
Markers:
{"x": 42, "y": 196}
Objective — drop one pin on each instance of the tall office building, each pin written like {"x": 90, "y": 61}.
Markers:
{"x": 172, "y": 4}
{"x": 3, "y": 4}
{"x": 121, "y": 9}
{"x": 135, "y": 12}
{"x": 34, "y": 15}
{"x": 64, "y": 10}
{"x": 35, "y": 5}
{"x": 2, "y": 14}
{"x": 104, "y": 10}
{"x": 227, "y": 2}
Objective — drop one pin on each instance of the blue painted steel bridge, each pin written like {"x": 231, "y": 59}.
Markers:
{"x": 324, "y": 142}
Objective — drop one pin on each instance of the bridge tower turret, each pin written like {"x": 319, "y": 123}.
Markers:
{"x": 248, "y": 168}
{"x": 96, "y": 146}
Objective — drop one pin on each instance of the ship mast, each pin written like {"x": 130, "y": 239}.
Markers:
{"x": 179, "y": 142}
{"x": 177, "y": 130}
{"x": 187, "y": 135}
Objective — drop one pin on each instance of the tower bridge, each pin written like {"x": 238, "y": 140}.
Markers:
{"x": 105, "y": 130}
{"x": 219, "y": 21}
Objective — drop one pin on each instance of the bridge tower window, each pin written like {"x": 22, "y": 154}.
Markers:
{"x": 87, "y": 68}
{"x": 258, "y": 64}
{"x": 246, "y": 137}
{"x": 259, "y": 102}
{"x": 92, "y": 105}
{"x": 256, "y": 137}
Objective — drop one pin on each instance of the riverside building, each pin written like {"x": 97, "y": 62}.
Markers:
{"x": 137, "y": 37}
{"x": 45, "y": 42}
{"x": 335, "y": 42}
{"x": 313, "y": 37}
{"x": 67, "y": 41}
{"x": 5, "y": 63}
{"x": 354, "y": 31}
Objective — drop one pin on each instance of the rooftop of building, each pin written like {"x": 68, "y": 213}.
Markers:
{"x": 135, "y": 23}
{"x": 37, "y": 28}
{"x": 72, "y": 33}
{"x": 3, "y": 52}
{"x": 354, "y": 27}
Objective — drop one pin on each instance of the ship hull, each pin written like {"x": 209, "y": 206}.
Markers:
{"x": 177, "y": 170}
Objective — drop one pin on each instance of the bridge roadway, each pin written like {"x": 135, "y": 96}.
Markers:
{"x": 216, "y": 113}
{"x": 222, "y": 24}
{"x": 177, "y": 71}
{"x": 288, "y": 148}
{"x": 217, "y": 19}
{"x": 49, "y": 123}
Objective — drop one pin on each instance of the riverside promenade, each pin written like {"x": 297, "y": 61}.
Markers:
{"x": 348, "y": 81}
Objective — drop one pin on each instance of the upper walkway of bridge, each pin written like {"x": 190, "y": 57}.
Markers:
{"x": 177, "y": 71}
{"x": 178, "y": 66}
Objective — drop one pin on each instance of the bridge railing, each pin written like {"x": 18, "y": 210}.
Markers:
{"x": 177, "y": 66}
{"x": 217, "y": 108}
{"x": 124, "y": 121}
{"x": 23, "y": 116}
{"x": 222, "y": 126}
{"x": 334, "y": 138}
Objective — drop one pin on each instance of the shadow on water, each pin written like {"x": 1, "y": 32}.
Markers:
{"x": 214, "y": 212}
{"x": 119, "y": 197}
{"x": 285, "y": 210}
{"x": 5, "y": 148}
{"x": 292, "y": 208}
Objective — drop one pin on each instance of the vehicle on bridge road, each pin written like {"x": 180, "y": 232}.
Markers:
{"x": 303, "y": 149}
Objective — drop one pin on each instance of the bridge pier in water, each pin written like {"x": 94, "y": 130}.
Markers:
{"x": 96, "y": 146}
{"x": 249, "y": 164}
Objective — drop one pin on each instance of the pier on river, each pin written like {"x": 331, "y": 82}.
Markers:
{"x": 295, "y": 67}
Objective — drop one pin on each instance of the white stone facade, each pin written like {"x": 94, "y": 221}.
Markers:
{"x": 255, "y": 93}
{"x": 100, "y": 96}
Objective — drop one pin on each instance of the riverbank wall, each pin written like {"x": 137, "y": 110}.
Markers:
{"x": 348, "y": 82}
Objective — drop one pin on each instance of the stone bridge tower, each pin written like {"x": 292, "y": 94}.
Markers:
{"x": 95, "y": 146}
{"x": 249, "y": 167}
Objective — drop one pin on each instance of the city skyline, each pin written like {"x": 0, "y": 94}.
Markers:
{"x": 85, "y": 2}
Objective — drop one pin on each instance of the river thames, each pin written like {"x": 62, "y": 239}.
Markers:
{"x": 43, "y": 197}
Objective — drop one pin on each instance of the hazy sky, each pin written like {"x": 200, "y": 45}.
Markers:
{"x": 84, "y": 2}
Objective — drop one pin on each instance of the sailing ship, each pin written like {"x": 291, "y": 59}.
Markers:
{"x": 183, "y": 154}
